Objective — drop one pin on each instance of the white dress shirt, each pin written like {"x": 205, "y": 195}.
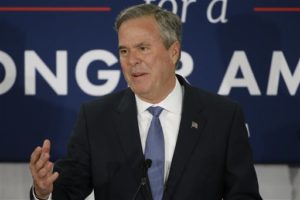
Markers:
{"x": 169, "y": 119}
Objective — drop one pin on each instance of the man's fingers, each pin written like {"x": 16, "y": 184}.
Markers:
{"x": 45, "y": 176}
{"x": 46, "y": 146}
{"x": 41, "y": 153}
{"x": 43, "y": 172}
{"x": 46, "y": 170}
{"x": 40, "y": 157}
{"x": 53, "y": 177}
{"x": 45, "y": 155}
{"x": 47, "y": 182}
{"x": 42, "y": 169}
{"x": 44, "y": 158}
{"x": 35, "y": 155}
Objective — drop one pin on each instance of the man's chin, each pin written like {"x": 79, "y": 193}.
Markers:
{"x": 141, "y": 92}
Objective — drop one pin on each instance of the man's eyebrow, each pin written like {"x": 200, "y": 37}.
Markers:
{"x": 121, "y": 47}
{"x": 136, "y": 45}
{"x": 142, "y": 44}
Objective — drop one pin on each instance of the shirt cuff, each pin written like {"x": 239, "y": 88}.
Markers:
{"x": 35, "y": 198}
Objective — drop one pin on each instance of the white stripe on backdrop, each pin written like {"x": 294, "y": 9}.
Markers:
{"x": 277, "y": 182}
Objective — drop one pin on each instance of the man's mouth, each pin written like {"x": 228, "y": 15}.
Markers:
{"x": 138, "y": 74}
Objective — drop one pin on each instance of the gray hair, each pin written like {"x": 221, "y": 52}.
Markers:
{"x": 168, "y": 22}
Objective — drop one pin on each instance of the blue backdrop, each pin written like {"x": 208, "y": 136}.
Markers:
{"x": 54, "y": 55}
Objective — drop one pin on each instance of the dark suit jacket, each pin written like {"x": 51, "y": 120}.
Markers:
{"x": 210, "y": 162}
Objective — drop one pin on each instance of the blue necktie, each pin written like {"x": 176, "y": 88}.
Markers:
{"x": 155, "y": 150}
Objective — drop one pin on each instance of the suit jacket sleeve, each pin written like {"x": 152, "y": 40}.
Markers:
{"x": 240, "y": 176}
{"x": 74, "y": 180}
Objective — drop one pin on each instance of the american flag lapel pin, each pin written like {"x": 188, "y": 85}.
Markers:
{"x": 194, "y": 125}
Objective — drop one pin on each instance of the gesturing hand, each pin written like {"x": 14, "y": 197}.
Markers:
{"x": 42, "y": 171}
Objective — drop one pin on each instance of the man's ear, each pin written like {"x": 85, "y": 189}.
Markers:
{"x": 174, "y": 51}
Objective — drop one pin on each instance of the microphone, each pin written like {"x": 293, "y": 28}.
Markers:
{"x": 146, "y": 165}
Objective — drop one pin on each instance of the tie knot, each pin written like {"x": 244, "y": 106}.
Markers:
{"x": 155, "y": 111}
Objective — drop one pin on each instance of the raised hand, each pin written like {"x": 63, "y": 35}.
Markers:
{"x": 41, "y": 169}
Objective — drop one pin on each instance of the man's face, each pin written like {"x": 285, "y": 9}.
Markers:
{"x": 148, "y": 67}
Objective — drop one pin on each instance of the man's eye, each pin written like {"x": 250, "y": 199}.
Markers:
{"x": 143, "y": 48}
{"x": 122, "y": 51}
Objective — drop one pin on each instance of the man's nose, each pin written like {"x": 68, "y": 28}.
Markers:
{"x": 134, "y": 58}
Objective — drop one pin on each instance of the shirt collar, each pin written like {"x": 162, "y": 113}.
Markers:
{"x": 172, "y": 103}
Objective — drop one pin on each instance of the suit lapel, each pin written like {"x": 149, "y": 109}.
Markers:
{"x": 128, "y": 132}
{"x": 192, "y": 123}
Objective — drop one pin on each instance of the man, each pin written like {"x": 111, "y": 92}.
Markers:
{"x": 197, "y": 141}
